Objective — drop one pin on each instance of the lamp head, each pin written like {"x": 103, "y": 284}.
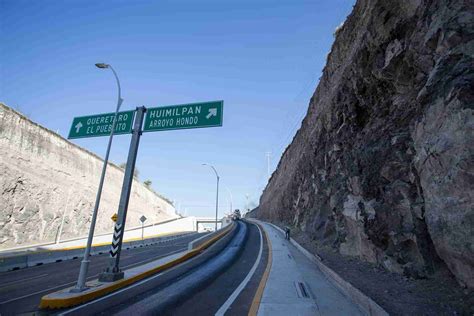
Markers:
{"x": 102, "y": 65}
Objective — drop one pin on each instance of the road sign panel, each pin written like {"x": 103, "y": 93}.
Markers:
{"x": 101, "y": 125}
{"x": 114, "y": 217}
{"x": 183, "y": 116}
{"x": 143, "y": 218}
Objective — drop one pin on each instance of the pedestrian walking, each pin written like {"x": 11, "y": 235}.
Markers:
{"x": 287, "y": 233}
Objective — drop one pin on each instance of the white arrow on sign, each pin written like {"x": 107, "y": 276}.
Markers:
{"x": 212, "y": 112}
{"x": 78, "y": 127}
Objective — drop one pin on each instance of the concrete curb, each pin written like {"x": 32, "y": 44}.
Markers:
{"x": 365, "y": 303}
{"x": 29, "y": 259}
{"x": 64, "y": 298}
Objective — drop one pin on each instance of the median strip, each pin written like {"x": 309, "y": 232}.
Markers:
{"x": 64, "y": 298}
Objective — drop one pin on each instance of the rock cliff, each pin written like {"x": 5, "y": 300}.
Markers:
{"x": 382, "y": 167}
{"x": 47, "y": 182}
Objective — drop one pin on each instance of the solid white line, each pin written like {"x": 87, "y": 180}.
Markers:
{"x": 242, "y": 285}
{"x": 192, "y": 242}
{"x": 23, "y": 280}
{"x": 112, "y": 294}
{"x": 88, "y": 278}
{"x": 153, "y": 259}
{"x": 31, "y": 294}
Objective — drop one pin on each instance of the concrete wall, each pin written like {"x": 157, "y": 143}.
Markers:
{"x": 45, "y": 178}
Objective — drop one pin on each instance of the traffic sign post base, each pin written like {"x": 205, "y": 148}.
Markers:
{"x": 111, "y": 276}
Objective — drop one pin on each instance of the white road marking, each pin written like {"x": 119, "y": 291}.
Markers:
{"x": 23, "y": 280}
{"x": 112, "y": 294}
{"x": 244, "y": 283}
{"x": 191, "y": 244}
{"x": 88, "y": 278}
{"x": 31, "y": 294}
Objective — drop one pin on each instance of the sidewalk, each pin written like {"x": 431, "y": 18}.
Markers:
{"x": 297, "y": 287}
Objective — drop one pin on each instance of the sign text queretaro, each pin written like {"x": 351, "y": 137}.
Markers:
{"x": 194, "y": 115}
{"x": 101, "y": 125}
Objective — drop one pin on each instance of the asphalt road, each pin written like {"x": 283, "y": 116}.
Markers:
{"x": 21, "y": 290}
{"x": 209, "y": 300}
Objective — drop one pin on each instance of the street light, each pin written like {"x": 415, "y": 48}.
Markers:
{"x": 81, "y": 280}
{"x": 217, "y": 192}
{"x": 230, "y": 193}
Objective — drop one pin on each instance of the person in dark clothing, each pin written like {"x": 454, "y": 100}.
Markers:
{"x": 287, "y": 233}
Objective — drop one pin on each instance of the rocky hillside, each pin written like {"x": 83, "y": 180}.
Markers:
{"x": 46, "y": 180}
{"x": 382, "y": 167}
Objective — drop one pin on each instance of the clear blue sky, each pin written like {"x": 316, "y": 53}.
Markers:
{"x": 263, "y": 58}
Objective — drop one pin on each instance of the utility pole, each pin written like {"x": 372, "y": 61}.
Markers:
{"x": 217, "y": 190}
{"x": 230, "y": 193}
{"x": 247, "y": 197}
{"x": 268, "y": 154}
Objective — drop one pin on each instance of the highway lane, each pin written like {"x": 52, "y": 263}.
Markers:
{"x": 21, "y": 290}
{"x": 210, "y": 299}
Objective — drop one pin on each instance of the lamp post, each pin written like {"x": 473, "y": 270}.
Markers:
{"x": 230, "y": 193}
{"x": 81, "y": 280}
{"x": 247, "y": 207}
{"x": 217, "y": 192}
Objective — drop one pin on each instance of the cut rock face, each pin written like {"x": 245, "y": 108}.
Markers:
{"x": 48, "y": 187}
{"x": 383, "y": 165}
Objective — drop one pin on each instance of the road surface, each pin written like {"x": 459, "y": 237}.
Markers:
{"x": 220, "y": 294}
{"x": 21, "y": 290}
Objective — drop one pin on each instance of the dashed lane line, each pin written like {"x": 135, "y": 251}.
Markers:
{"x": 23, "y": 280}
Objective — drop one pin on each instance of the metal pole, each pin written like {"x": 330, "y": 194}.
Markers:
{"x": 217, "y": 199}
{"x": 268, "y": 153}
{"x": 217, "y": 192}
{"x": 142, "y": 230}
{"x": 113, "y": 272}
{"x": 247, "y": 206}
{"x": 58, "y": 237}
{"x": 81, "y": 280}
{"x": 231, "y": 198}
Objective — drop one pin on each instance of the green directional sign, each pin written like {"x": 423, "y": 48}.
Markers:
{"x": 194, "y": 115}
{"x": 101, "y": 125}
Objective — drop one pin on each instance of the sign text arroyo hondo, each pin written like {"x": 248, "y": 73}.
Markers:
{"x": 196, "y": 115}
{"x": 183, "y": 116}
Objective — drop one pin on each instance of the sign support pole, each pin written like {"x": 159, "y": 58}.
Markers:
{"x": 113, "y": 272}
